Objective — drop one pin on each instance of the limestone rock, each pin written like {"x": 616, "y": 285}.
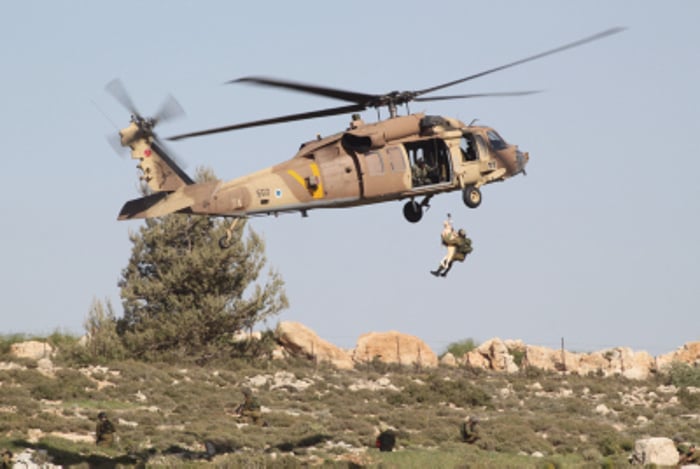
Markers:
{"x": 543, "y": 358}
{"x": 474, "y": 359}
{"x": 688, "y": 353}
{"x": 659, "y": 451}
{"x": 299, "y": 339}
{"x": 31, "y": 349}
{"x": 498, "y": 355}
{"x": 448, "y": 360}
{"x": 394, "y": 347}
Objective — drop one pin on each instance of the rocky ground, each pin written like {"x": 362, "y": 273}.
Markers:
{"x": 319, "y": 414}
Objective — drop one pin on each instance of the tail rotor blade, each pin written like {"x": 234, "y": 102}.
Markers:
{"x": 169, "y": 110}
{"x": 115, "y": 142}
{"x": 118, "y": 91}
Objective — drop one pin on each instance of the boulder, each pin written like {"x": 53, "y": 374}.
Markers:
{"x": 594, "y": 362}
{"x": 448, "y": 360}
{"x": 474, "y": 359}
{"x": 688, "y": 353}
{"x": 300, "y": 340}
{"x": 658, "y": 451}
{"x": 31, "y": 349}
{"x": 394, "y": 347}
{"x": 543, "y": 358}
{"x": 498, "y": 355}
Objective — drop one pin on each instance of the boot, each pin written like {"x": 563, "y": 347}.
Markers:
{"x": 437, "y": 272}
{"x": 444, "y": 272}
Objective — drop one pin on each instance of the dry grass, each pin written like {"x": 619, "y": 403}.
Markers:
{"x": 166, "y": 412}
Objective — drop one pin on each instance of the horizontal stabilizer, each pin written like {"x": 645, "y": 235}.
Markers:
{"x": 154, "y": 205}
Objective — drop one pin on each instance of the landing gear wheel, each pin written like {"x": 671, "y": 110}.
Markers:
{"x": 471, "y": 196}
{"x": 413, "y": 211}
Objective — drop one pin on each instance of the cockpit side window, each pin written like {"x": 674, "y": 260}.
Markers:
{"x": 496, "y": 141}
{"x": 468, "y": 147}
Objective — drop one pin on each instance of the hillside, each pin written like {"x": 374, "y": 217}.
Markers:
{"x": 183, "y": 413}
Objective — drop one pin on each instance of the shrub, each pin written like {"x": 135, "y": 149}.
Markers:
{"x": 6, "y": 342}
{"x": 437, "y": 390}
{"x": 683, "y": 375}
{"x": 461, "y": 347}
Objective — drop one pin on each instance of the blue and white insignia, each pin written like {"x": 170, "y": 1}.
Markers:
{"x": 278, "y": 193}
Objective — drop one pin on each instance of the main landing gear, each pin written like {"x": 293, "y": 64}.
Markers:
{"x": 413, "y": 211}
{"x": 471, "y": 195}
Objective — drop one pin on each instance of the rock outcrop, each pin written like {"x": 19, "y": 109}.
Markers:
{"x": 299, "y": 339}
{"x": 655, "y": 451}
{"x": 394, "y": 347}
{"x": 688, "y": 353}
{"x": 31, "y": 349}
{"x": 508, "y": 356}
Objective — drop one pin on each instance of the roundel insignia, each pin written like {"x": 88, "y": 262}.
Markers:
{"x": 147, "y": 152}
{"x": 278, "y": 193}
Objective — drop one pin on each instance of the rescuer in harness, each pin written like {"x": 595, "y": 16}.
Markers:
{"x": 458, "y": 247}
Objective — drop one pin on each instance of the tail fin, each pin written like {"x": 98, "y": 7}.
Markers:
{"x": 159, "y": 170}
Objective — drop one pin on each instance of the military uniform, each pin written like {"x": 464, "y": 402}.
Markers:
{"x": 104, "y": 431}
{"x": 6, "y": 459}
{"x": 688, "y": 455}
{"x": 421, "y": 173}
{"x": 249, "y": 410}
{"x": 458, "y": 247}
{"x": 386, "y": 440}
{"x": 470, "y": 434}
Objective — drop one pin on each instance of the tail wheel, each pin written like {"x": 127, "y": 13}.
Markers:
{"x": 471, "y": 196}
{"x": 413, "y": 211}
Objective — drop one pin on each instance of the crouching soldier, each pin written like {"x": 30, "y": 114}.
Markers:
{"x": 386, "y": 440}
{"x": 104, "y": 431}
{"x": 249, "y": 411}
{"x": 468, "y": 430}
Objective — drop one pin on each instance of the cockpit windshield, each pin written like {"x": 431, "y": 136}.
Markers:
{"x": 496, "y": 140}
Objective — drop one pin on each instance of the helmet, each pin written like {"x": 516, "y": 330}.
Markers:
{"x": 102, "y": 415}
{"x": 247, "y": 392}
{"x": 461, "y": 232}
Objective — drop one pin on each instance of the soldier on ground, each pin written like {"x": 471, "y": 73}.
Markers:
{"x": 104, "y": 431}
{"x": 458, "y": 247}
{"x": 6, "y": 459}
{"x": 386, "y": 440}
{"x": 249, "y": 410}
{"x": 688, "y": 455}
{"x": 470, "y": 434}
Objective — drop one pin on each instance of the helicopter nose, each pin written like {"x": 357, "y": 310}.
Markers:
{"x": 522, "y": 158}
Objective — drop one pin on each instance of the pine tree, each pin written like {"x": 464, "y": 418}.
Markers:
{"x": 181, "y": 291}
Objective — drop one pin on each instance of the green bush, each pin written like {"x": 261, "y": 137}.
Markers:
{"x": 461, "y": 347}
{"x": 438, "y": 390}
{"x": 683, "y": 375}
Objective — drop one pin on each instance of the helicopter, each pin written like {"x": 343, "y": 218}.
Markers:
{"x": 409, "y": 157}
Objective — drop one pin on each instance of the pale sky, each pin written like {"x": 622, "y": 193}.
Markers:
{"x": 599, "y": 244}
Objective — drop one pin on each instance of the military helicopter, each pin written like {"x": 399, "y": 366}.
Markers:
{"x": 412, "y": 157}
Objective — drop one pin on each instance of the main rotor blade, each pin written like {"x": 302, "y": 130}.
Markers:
{"x": 118, "y": 91}
{"x": 275, "y": 120}
{"x": 477, "y": 95}
{"x": 571, "y": 45}
{"x": 359, "y": 98}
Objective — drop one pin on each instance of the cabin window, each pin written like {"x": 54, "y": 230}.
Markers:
{"x": 497, "y": 143}
{"x": 375, "y": 166}
{"x": 468, "y": 147}
{"x": 396, "y": 159}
